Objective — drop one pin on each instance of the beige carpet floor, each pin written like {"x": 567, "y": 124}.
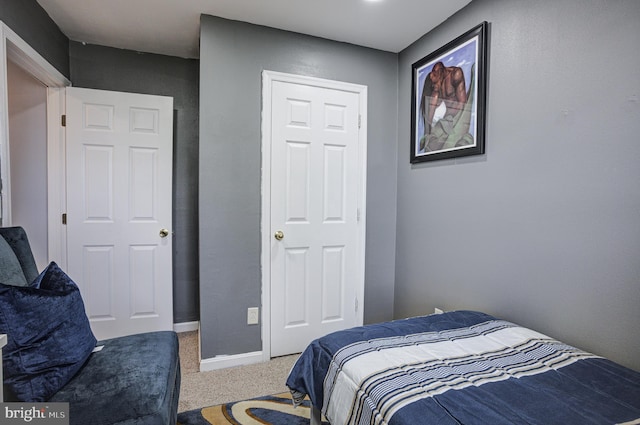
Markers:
{"x": 201, "y": 389}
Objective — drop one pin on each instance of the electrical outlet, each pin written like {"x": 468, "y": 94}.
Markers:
{"x": 253, "y": 315}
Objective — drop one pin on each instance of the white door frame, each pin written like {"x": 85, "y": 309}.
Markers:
{"x": 268, "y": 77}
{"x": 14, "y": 48}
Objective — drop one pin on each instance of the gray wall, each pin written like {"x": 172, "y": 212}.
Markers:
{"x": 544, "y": 229}
{"x": 232, "y": 58}
{"x": 27, "y": 19}
{"x": 106, "y": 68}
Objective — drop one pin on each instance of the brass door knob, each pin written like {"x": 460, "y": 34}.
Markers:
{"x": 164, "y": 233}
{"x": 279, "y": 235}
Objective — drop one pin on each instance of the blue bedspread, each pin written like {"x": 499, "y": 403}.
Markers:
{"x": 461, "y": 368}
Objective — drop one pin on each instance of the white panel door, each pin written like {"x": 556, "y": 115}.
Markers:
{"x": 316, "y": 264}
{"x": 119, "y": 177}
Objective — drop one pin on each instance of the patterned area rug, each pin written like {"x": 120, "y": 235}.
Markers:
{"x": 270, "y": 410}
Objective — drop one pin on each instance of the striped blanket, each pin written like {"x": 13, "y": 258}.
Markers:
{"x": 461, "y": 368}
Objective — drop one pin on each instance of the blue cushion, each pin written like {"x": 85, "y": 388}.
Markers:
{"x": 10, "y": 269}
{"x": 48, "y": 335}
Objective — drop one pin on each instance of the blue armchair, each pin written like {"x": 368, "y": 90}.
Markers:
{"x": 131, "y": 380}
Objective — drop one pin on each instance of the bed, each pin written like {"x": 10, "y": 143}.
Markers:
{"x": 460, "y": 367}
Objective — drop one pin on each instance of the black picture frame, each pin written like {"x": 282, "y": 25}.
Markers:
{"x": 448, "y": 99}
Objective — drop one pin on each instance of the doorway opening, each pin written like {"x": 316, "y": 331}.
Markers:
{"x": 27, "y": 110}
{"x": 32, "y": 146}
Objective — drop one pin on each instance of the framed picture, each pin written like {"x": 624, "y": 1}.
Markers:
{"x": 448, "y": 99}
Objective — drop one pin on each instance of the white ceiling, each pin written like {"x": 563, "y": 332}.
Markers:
{"x": 172, "y": 27}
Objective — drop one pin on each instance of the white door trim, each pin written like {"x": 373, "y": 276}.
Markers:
{"x": 56, "y": 175}
{"x": 268, "y": 77}
{"x": 13, "y": 47}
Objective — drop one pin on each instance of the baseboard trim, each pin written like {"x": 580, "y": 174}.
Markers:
{"x": 186, "y": 326}
{"x": 225, "y": 361}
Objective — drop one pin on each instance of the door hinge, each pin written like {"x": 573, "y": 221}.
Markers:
{"x": 64, "y": 120}
{"x": 64, "y": 218}
{"x": 356, "y": 304}
{"x": 358, "y": 215}
{"x": 359, "y": 120}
